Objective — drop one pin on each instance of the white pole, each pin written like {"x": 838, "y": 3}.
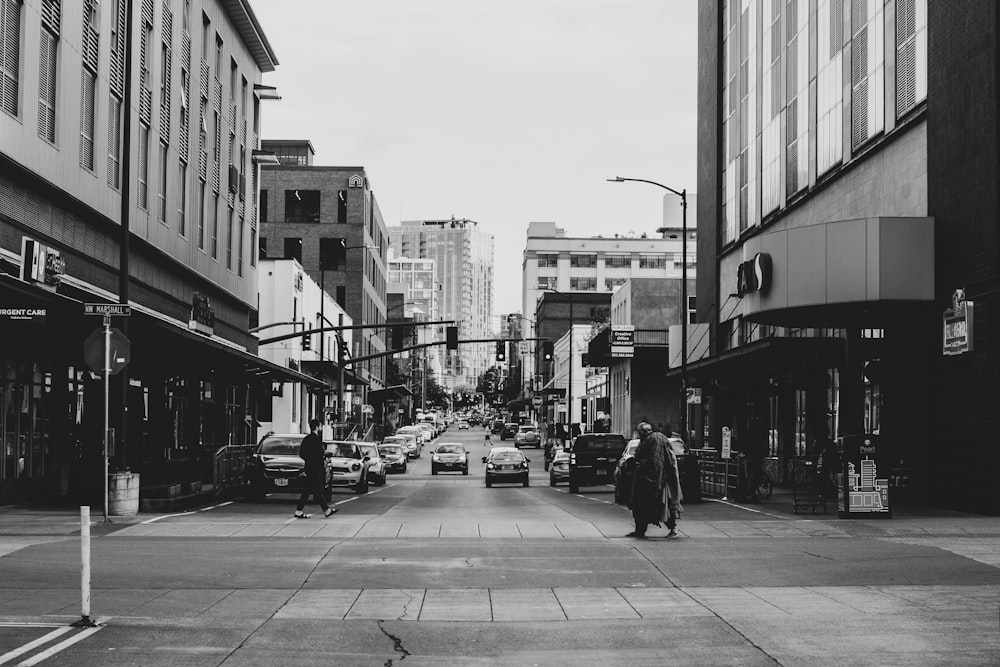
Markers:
{"x": 107, "y": 375}
{"x": 85, "y": 569}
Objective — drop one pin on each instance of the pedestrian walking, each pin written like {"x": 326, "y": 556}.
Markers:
{"x": 649, "y": 481}
{"x": 488, "y": 438}
{"x": 311, "y": 451}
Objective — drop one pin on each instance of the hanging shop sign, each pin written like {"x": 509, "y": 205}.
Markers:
{"x": 202, "y": 315}
{"x": 754, "y": 275}
{"x": 622, "y": 341}
{"x": 957, "y": 321}
{"x": 864, "y": 492}
{"x": 41, "y": 264}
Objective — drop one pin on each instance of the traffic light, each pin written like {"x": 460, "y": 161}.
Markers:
{"x": 306, "y": 342}
{"x": 547, "y": 350}
{"x": 585, "y": 359}
{"x": 501, "y": 351}
{"x": 451, "y": 338}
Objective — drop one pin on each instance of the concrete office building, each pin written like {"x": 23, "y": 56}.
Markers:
{"x": 463, "y": 256}
{"x": 174, "y": 140}
{"x": 848, "y": 158}
{"x": 416, "y": 280}
{"x": 329, "y": 220}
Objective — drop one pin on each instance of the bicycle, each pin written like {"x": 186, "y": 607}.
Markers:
{"x": 755, "y": 484}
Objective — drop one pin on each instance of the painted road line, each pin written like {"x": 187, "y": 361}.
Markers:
{"x": 32, "y": 645}
{"x": 52, "y": 650}
{"x": 203, "y": 509}
{"x": 748, "y": 509}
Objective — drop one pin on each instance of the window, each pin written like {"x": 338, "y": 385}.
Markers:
{"x": 301, "y": 205}
{"x": 262, "y": 248}
{"x": 617, "y": 261}
{"x": 771, "y": 106}
{"x": 218, "y": 55}
{"x": 182, "y": 200}
{"x": 293, "y": 249}
{"x": 215, "y": 227}
{"x": 615, "y": 283}
{"x": 10, "y": 54}
{"x": 331, "y": 254}
{"x": 162, "y": 191}
{"x": 239, "y": 249}
{"x": 47, "y": 71}
{"x": 229, "y": 240}
{"x": 583, "y": 261}
{"x": 341, "y": 296}
{"x": 692, "y": 312}
{"x": 253, "y": 243}
{"x": 867, "y": 70}
{"x": 88, "y": 89}
{"x": 142, "y": 192}
{"x": 548, "y": 260}
{"x": 262, "y": 209}
{"x": 911, "y": 54}
{"x": 201, "y": 215}
{"x": 797, "y": 96}
{"x": 829, "y": 85}
{"x": 649, "y": 261}
{"x": 584, "y": 284}
{"x": 114, "y": 141}
{"x": 342, "y": 207}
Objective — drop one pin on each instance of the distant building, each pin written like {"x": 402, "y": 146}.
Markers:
{"x": 463, "y": 257}
{"x": 329, "y": 220}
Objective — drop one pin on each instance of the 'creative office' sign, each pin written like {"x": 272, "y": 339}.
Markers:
{"x": 754, "y": 275}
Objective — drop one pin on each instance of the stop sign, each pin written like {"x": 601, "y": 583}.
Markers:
{"x": 93, "y": 350}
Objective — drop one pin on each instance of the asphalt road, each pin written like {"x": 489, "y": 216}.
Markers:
{"x": 439, "y": 569}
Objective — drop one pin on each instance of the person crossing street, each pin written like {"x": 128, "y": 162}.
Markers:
{"x": 311, "y": 451}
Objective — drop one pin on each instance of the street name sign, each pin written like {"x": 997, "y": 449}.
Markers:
{"x": 109, "y": 309}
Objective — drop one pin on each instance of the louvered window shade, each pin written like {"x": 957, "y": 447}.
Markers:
{"x": 867, "y": 70}
{"x": 142, "y": 193}
{"x": 114, "y": 141}
{"x": 87, "y": 93}
{"x": 911, "y": 54}
{"x": 10, "y": 54}
{"x": 47, "y": 86}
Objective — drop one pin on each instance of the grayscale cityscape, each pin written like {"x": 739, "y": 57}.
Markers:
{"x": 537, "y": 332}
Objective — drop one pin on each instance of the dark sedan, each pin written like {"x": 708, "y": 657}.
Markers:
{"x": 394, "y": 456}
{"x": 276, "y": 467}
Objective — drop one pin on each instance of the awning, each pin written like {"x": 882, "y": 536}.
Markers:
{"x": 393, "y": 393}
{"x": 328, "y": 368}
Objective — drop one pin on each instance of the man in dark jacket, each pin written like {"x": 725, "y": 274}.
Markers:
{"x": 311, "y": 451}
{"x": 649, "y": 480}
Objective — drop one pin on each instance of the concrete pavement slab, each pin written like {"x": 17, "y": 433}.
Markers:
{"x": 38, "y": 601}
{"x": 525, "y": 604}
{"x": 594, "y": 603}
{"x": 537, "y": 529}
{"x": 259, "y": 530}
{"x": 458, "y": 604}
{"x": 387, "y": 604}
{"x": 419, "y": 530}
{"x": 301, "y": 527}
{"x": 137, "y": 530}
{"x": 578, "y": 530}
{"x": 259, "y": 604}
{"x": 9, "y": 545}
{"x": 499, "y": 530}
{"x": 340, "y": 527}
{"x": 219, "y": 529}
{"x": 319, "y": 604}
{"x": 663, "y": 603}
{"x": 798, "y": 600}
{"x": 727, "y": 599}
{"x": 180, "y": 602}
{"x": 459, "y": 529}
{"x": 379, "y": 529}
{"x": 121, "y": 601}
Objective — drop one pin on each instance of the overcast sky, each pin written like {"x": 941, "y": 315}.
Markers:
{"x": 501, "y": 111}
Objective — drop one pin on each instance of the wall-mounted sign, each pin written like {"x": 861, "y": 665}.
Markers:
{"x": 958, "y": 320}
{"x": 34, "y": 315}
{"x": 41, "y": 264}
{"x": 355, "y": 181}
{"x": 202, "y": 315}
{"x": 109, "y": 309}
{"x": 622, "y": 341}
{"x": 754, "y": 275}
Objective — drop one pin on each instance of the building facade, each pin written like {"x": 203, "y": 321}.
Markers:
{"x": 463, "y": 257}
{"x": 134, "y": 186}
{"x": 847, "y": 156}
{"x": 329, "y": 220}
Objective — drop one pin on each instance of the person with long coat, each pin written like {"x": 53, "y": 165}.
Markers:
{"x": 650, "y": 480}
{"x": 672, "y": 493}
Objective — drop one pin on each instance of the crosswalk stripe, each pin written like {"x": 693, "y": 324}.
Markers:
{"x": 32, "y": 645}
{"x": 52, "y": 650}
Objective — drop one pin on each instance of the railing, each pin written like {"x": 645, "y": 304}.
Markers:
{"x": 228, "y": 465}
{"x": 721, "y": 477}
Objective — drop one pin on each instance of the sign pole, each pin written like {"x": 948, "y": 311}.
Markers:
{"x": 107, "y": 376}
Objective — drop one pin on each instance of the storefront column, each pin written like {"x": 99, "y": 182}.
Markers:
{"x": 852, "y": 387}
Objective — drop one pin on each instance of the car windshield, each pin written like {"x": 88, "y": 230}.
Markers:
{"x": 583, "y": 443}
{"x": 345, "y": 451}
{"x": 369, "y": 450}
{"x": 507, "y": 456}
{"x": 394, "y": 439}
{"x": 527, "y": 429}
{"x": 276, "y": 445}
{"x": 451, "y": 449}
{"x": 390, "y": 450}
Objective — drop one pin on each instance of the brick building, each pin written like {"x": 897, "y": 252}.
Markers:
{"x": 329, "y": 220}
{"x": 848, "y": 156}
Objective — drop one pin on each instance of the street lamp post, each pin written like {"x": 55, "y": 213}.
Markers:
{"x": 684, "y": 300}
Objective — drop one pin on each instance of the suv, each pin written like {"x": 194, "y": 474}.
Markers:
{"x": 275, "y": 467}
{"x": 593, "y": 458}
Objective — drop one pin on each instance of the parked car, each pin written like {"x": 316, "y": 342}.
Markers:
{"x": 376, "y": 464}
{"x": 593, "y": 458}
{"x": 412, "y": 442}
{"x": 415, "y": 430}
{"x": 348, "y": 466}
{"x": 559, "y": 468}
{"x": 497, "y": 426}
{"x": 506, "y": 465}
{"x": 450, "y": 456}
{"x": 275, "y": 467}
{"x": 527, "y": 436}
{"x": 394, "y": 455}
{"x": 624, "y": 472}
{"x": 463, "y": 425}
{"x": 429, "y": 432}
{"x": 508, "y": 431}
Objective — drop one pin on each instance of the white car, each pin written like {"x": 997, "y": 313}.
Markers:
{"x": 415, "y": 430}
{"x": 376, "y": 464}
{"x": 348, "y": 467}
{"x": 429, "y": 433}
{"x": 462, "y": 425}
{"x": 410, "y": 442}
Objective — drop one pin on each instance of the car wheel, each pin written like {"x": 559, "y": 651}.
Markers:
{"x": 574, "y": 487}
{"x": 488, "y": 484}
{"x": 385, "y": 477}
{"x": 362, "y": 487}
{"x": 434, "y": 470}
{"x": 526, "y": 480}
{"x": 552, "y": 481}
{"x": 465, "y": 471}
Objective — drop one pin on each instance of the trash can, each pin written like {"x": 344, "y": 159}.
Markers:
{"x": 123, "y": 493}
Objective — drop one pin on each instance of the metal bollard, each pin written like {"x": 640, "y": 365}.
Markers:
{"x": 85, "y": 620}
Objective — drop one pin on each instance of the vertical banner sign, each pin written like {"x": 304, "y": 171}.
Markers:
{"x": 958, "y": 322}
{"x": 727, "y": 442}
{"x": 864, "y": 483}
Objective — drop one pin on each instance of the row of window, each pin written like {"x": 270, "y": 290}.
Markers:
{"x": 780, "y": 60}
{"x": 304, "y": 206}
{"x": 580, "y": 284}
{"x": 622, "y": 261}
